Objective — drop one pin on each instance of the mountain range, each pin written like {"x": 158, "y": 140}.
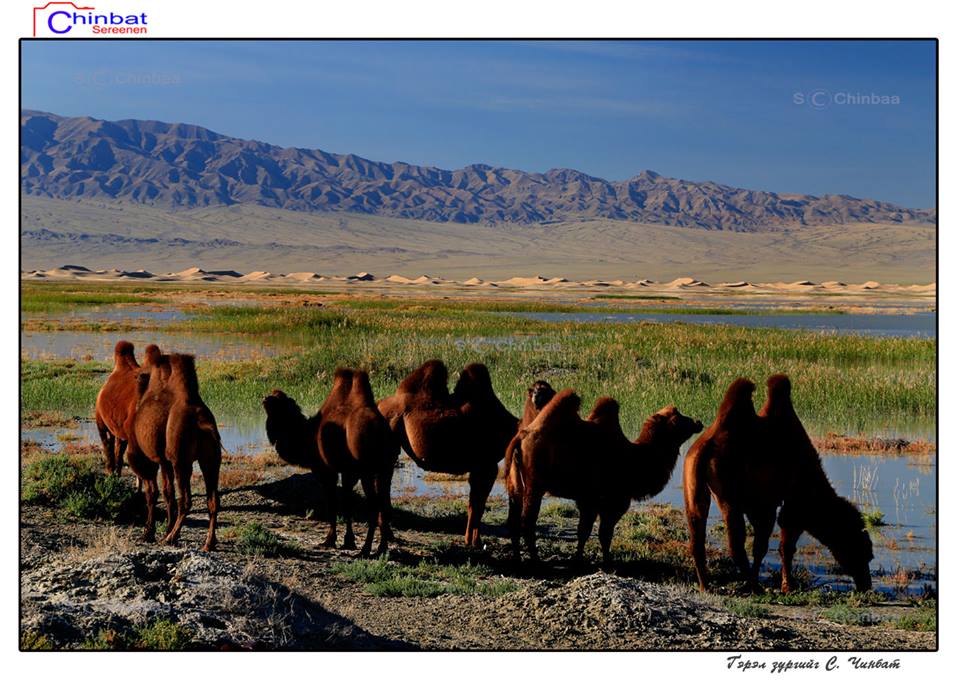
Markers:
{"x": 183, "y": 166}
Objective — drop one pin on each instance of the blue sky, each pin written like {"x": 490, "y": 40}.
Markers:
{"x": 700, "y": 110}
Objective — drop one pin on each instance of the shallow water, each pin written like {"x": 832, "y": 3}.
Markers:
{"x": 919, "y": 325}
{"x": 902, "y": 488}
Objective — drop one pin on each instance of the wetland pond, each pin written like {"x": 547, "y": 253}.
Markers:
{"x": 918, "y": 325}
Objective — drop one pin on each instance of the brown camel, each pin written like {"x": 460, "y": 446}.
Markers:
{"x": 756, "y": 464}
{"x": 347, "y": 437}
{"x": 171, "y": 429}
{"x": 465, "y": 431}
{"x": 117, "y": 402}
{"x": 591, "y": 462}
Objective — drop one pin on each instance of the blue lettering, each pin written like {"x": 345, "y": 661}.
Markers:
{"x": 50, "y": 21}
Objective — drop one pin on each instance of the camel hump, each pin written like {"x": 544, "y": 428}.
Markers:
{"x": 779, "y": 402}
{"x": 430, "y": 379}
{"x": 737, "y": 402}
{"x": 123, "y": 354}
{"x": 151, "y": 354}
{"x": 564, "y": 406}
{"x": 183, "y": 374}
{"x": 606, "y": 411}
{"x": 360, "y": 392}
{"x": 342, "y": 383}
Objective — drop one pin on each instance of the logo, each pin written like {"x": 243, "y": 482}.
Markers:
{"x": 68, "y": 19}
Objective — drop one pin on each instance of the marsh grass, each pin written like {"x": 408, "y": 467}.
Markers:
{"x": 745, "y": 608}
{"x": 924, "y": 620}
{"x": 837, "y": 380}
{"x": 841, "y": 613}
{"x": 160, "y": 635}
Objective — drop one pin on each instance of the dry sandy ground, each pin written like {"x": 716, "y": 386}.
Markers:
{"x": 254, "y": 238}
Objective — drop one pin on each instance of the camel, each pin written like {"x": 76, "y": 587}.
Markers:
{"x": 465, "y": 431}
{"x": 591, "y": 462}
{"x": 117, "y": 401}
{"x": 538, "y": 395}
{"x": 347, "y": 437}
{"x": 171, "y": 429}
{"x": 754, "y": 464}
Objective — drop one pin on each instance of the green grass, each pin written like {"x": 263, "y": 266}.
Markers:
{"x": 384, "y": 578}
{"x": 31, "y": 641}
{"x": 51, "y": 298}
{"x": 842, "y": 613}
{"x": 873, "y": 518}
{"x": 745, "y": 608}
{"x": 77, "y": 487}
{"x": 840, "y": 382}
{"x": 162, "y": 635}
{"x": 255, "y": 540}
{"x": 924, "y": 620}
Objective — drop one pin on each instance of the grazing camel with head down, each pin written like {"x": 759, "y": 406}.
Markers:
{"x": 591, "y": 462}
{"x": 171, "y": 429}
{"x": 465, "y": 431}
{"x": 755, "y": 464}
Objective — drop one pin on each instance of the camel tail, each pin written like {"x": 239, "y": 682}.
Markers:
{"x": 513, "y": 462}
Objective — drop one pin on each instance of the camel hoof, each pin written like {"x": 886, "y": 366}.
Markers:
{"x": 148, "y": 537}
{"x": 349, "y": 543}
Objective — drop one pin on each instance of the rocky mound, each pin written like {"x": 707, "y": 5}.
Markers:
{"x": 214, "y": 600}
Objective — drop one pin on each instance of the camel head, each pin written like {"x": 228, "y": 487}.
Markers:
{"x": 850, "y": 543}
{"x": 671, "y": 426}
{"x": 540, "y": 393}
{"x": 283, "y": 416}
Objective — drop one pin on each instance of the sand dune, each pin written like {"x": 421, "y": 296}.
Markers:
{"x": 684, "y": 283}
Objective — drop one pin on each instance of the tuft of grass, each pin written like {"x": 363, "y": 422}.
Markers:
{"x": 873, "y": 518}
{"x": 77, "y": 486}
{"x": 384, "y": 578}
{"x": 923, "y": 620}
{"x": 841, "y": 613}
{"x": 32, "y": 641}
{"x": 162, "y": 635}
{"x": 745, "y": 608}
{"x": 255, "y": 540}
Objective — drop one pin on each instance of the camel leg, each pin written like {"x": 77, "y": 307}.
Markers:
{"x": 109, "y": 443}
{"x": 169, "y": 499}
{"x": 182, "y": 471}
{"x": 151, "y": 495}
{"x": 348, "y": 483}
{"x": 210, "y": 468}
{"x": 528, "y": 522}
{"x": 736, "y": 536}
{"x": 515, "y": 502}
{"x": 118, "y": 461}
{"x": 588, "y": 516}
{"x": 762, "y": 529}
{"x": 373, "y": 512}
{"x": 698, "y": 510}
{"x": 328, "y": 484}
{"x": 608, "y": 521}
{"x": 481, "y": 481}
{"x": 790, "y": 533}
{"x": 385, "y": 509}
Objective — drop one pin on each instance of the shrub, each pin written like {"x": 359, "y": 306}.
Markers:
{"x": 841, "y": 613}
{"x": 32, "y": 641}
{"x": 745, "y": 608}
{"x": 162, "y": 635}
{"x": 255, "y": 540}
{"x": 77, "y": 487}
{"x": 924, "y": 620}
